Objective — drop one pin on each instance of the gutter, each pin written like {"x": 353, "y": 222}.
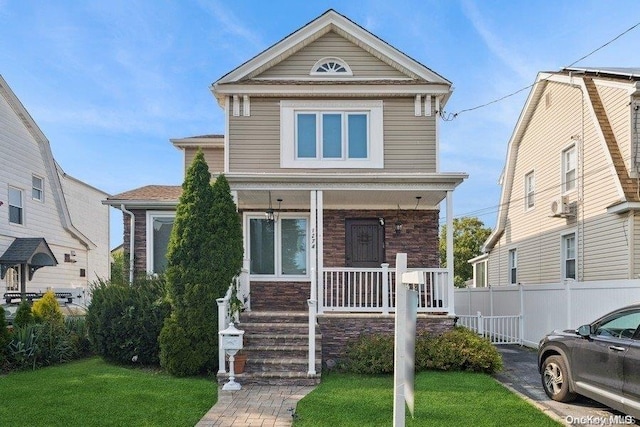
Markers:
{"x": 132, "y": 223}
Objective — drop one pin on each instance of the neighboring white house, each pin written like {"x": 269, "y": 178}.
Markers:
{"x": 570, "y": 203}
{"x": 53, "y": 227}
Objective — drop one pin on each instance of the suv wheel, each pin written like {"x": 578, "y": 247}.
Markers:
{"x": 555, "y": 379}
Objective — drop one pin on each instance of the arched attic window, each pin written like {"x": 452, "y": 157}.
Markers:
{"x": 334, "y": 67}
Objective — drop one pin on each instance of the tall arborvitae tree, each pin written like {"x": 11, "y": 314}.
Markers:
{"x": 227, "y": 249}
{"x": 189, "y": 338}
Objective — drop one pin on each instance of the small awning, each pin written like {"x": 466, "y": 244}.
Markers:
{"x": 32, "y": 252}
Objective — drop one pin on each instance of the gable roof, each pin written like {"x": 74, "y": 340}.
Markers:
{"x": 333, "y": 21}
{"x": 47, "y": 157}
{"x": 628, "y": 187}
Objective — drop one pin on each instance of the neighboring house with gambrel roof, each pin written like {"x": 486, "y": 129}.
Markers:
{"x": 331, "y": 149}
{"x": 54, "y": 229}
{"x": 570, "y": 202}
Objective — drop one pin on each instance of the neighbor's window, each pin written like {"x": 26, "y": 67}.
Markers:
{"x": 569, "y": 169}
{"x": 37, "y": 188}
{"x": 16, "y": 207}
{"x": 481, "y": 274}
{"x": 331, "y": 134}
{"x": 12, "y": 278}
{"x": 569, "y": 256}
{"x": 278, "y": 248}
{"x": 513, "y": 267}
{"x": 159, "y": 226}
{"x": 529, "y": 189}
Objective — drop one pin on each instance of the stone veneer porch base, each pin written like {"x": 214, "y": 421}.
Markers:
{"x": 339, "y": 329}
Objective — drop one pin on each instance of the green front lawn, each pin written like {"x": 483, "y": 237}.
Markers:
{"x": 441, "y": 399}
{"x": 91, "y": 392}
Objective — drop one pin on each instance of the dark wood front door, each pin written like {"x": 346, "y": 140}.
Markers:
{"x": 364, "y": 242}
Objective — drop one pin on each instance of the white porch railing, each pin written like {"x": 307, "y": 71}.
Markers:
{"x": 373, "y": 290}
{"x": 498, "y": 329}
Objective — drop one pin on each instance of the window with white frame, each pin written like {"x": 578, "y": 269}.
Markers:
{"x": 569, "y": 169}
{"x": 37, "y": 188}
{"x": 16, "y": 206}
{"x": 331, "y": 134}
{"x": 331, "y": 67}
{"x": 278, "y": 248}
{"x": 480, "y": 274}
{"x": 529, "y": 190}
{"x": 513, "y": 267}
{"x": 569, "y": 256}
{"x": 159, "y": 226}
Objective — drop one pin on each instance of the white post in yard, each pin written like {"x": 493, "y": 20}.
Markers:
{"x": 222, "y": 319}
{"x": 399, "y": 353}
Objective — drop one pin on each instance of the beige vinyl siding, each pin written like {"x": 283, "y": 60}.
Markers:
{"x": 21, "y": 156}
{"x": 213, "y": 156}
{"x": 602, "y": 249}
{"x": 616, "y": 103}
{"x": 361, "y": 62}
{"x": 409, "y": 141}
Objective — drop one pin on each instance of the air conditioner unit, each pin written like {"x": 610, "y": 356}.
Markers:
{"x": 559, "y": 206}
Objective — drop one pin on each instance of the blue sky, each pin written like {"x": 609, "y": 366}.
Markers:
{"x": 110, "y": 82}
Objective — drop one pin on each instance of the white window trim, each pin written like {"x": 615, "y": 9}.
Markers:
{"x": 41, "y": 189}
{"x": 22, "y": 207}
{"x": 485, "y": 276}
{"x": 288, "y": 110}
{"x": 563, "y": 171}
{"x": 563, "y": 259}
{"x": 277, "y": 277}
{"x": 529, "y": 192}
{"x": 149, "y": 236}
{"x": 509, "y": 267}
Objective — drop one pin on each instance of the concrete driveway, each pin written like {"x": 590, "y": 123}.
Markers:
{"x": 520, "y": 374}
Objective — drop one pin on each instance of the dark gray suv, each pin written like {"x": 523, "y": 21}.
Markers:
{"x": 600, "y": 360}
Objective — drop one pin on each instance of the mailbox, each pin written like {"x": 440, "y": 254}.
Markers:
{"x": 231, "y": 341}
{"x": 231, "y": 338}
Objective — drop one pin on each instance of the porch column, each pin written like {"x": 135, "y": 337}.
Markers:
{"x": 450, "y": 286}
{"x": 320, "y": 248}
{"x": 313, "y": 256}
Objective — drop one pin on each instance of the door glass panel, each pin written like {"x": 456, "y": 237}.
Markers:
{"x": 294, "y": 246}
{"x": 261, "y": 244}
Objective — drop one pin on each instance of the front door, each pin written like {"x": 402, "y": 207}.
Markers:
{"x": 364, "y": 242}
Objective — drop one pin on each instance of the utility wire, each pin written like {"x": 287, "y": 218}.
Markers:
{"x": 451, "y": 116}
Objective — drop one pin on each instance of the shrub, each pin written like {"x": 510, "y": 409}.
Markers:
{"x": 5, "y": 339}
{"x": 47, "y": 309}
{"x": 53, "y": 344}
{"x": 76, "y": 327}
{"x": 371, "y": 354}
{"x": 456, "y": 350}
{"x": 178, "y": 356}
{"x": 23, "y": 348}
{"x": 124, "y": 321}
{"x": 24, "y": 316}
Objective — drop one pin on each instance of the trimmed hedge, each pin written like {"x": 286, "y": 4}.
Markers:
{"x": 457, "y": 350}
{"x": 124, "y": 321}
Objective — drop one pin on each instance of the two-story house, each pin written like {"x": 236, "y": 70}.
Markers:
{"x": 570, "y": 186}
{"x": 331, "y": 151}
{"x": 54, "y": 229}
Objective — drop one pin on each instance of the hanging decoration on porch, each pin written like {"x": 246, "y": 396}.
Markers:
{"x": 398, "y": 222}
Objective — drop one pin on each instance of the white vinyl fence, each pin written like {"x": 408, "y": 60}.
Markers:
{"x": 540, "y": 308}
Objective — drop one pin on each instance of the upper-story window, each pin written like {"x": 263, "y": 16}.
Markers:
{"x": 331, "y": 134}
{"x": 529, "y": 190}
{"x": 332, "y": 67}
{"x": 16, "y": 206}
{"x": 569, "y": 169}
{"x": 37, "y": 188}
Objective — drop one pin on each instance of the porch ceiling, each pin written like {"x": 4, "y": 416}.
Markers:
{"x": 342, "y": 199}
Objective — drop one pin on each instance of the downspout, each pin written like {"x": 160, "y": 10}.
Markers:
{"x": 132, "y": 224}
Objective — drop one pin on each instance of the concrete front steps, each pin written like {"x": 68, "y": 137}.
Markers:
{"x": 276, "y": 345}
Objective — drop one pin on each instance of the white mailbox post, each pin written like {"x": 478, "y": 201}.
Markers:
{"x": 231, "y": 342}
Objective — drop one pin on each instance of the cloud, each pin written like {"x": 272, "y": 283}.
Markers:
{"x": 231, "y": 23}
{"x": 494, "y": 43}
